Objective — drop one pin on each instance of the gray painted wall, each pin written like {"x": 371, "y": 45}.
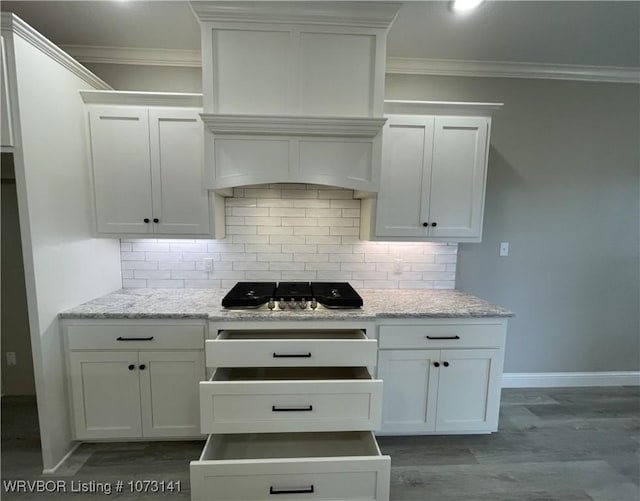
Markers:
{"x": 149, "y": 78}
{"x": 563, "y": 188}
{"x": 16, "y": 379}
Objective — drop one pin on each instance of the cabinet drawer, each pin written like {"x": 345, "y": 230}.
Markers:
{"x": 294, "y": 348}
{"x": 257, "y": 400}
{"x": 317, "y": 466}
{"x": 135, "y": 336}
{"x": 449, "y": 335}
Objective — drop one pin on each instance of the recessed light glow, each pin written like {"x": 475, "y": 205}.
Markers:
{"x": 464, "y": 5}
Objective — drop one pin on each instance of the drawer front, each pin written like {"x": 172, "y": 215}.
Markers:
{"x": 450, "y": 335}
{"x": 314, "y": 477}
{"x": 335, "y": 352}
{"x": 290, "y": 405}
{"x": 135, "y": 337}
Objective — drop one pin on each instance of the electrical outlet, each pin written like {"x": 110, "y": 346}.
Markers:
{"x": 504, "y": 249}
{"x": 208, "y": 263}
{"x": 11, "y": 358}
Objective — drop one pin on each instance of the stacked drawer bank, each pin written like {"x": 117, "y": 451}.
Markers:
{"x": 290, "y": 413}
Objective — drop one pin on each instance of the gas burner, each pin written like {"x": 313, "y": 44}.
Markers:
{"x": 292, "y": 295}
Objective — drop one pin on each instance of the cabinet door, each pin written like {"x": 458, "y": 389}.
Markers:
{"x": 121, "y": 169}
{"x": 469, "y": 390}
{"x": 458, "y": 176}
{"x": 105, "y": 392}
{"x": 180, "y": 200}
{"x": 169, "y": 393}
{"x": 403, "y": 199}
{"x": 410, "y": 390}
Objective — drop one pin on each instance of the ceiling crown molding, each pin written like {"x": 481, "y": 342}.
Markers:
{"x": 133, "y": 55}
{"x": 279, "y": 125}
{"x": 361, "y": 14}
{"x": 505, "y": 69}
{"x": 12, "y": 23}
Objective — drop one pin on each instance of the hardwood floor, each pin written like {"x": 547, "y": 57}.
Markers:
{"x": 564, "y": 444}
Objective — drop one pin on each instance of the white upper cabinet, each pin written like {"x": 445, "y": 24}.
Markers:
{"x": 147, "y": 165}
{"x": 433, "y": 173}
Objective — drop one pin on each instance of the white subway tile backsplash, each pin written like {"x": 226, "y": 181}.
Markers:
{"x": 289, "y": 232}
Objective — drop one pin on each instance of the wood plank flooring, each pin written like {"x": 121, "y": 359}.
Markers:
{"x": 554, "y": 444}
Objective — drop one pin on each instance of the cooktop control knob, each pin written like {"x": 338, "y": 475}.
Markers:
{"x": 302, "y": 304}
{"x": 282, "y": 305}
{"x": 292, "y": 304}
{"x": 314, "y": 304}
{"x": 271, "y": 304}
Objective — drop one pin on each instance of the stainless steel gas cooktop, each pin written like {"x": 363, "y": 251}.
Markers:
{"x": 292, "y": 295}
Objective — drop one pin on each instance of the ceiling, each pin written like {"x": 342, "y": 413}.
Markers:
{"x": 597, "y": 33}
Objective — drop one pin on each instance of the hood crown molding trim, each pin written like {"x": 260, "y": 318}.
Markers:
{"x": 142, "y": 98}
{"x": 506, "y": 69}
{"x": 377, "y": 14}
{"x": 15, "y": 25}
{"x": 279, "y": 125}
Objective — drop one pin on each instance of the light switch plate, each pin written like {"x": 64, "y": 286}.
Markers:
{"x": 504, "y": 249}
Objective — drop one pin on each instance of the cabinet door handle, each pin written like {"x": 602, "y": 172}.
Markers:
{"x": 292, "y": 355}
{"x": 142, "y": 367}
{"x": 146, "y": 219}
{"x": 443, "y": 337}
{"x": 156, "y": 220}
{"x": 120, "y": 338}
{"x": 446, "y": 364}
{"x": 131, "y": 367}
{"x": 294, "y": 490}
{"x": 436, "y": 364}
{"x": 302, "y": 408}
{"x": 425, "y": 224}
{"x": 434, "y": 224}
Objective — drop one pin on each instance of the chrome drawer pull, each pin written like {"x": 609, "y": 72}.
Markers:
{"x": 294, "y": 355}
{"x": 305, "y": 408}
{"x": 308, "y": 490}
{"x": 443, "y": 337}
{"x": 120, "y": 338}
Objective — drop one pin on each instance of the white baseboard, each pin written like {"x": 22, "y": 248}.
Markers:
{"x": 52, "y": 471}
{"x": 566, "y": 379}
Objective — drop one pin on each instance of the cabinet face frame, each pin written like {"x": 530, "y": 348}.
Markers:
{"x": 135, "y": 350}
{"x": 180, "y": 107}
{"x": 490, "y": 347}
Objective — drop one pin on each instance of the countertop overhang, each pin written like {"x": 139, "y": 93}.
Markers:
{"x": 206, "y": 304}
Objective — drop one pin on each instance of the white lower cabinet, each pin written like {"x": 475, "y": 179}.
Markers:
{"x": 298, "y": 423}
{"x": 448, "y": 388}
{"x": 134, "y": 380}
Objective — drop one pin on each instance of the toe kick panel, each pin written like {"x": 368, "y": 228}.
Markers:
{"x": 314, "y": 466}
{"x": 297, "y": 399}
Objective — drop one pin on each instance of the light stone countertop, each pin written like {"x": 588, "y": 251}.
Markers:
{"x": 206, "y": 304}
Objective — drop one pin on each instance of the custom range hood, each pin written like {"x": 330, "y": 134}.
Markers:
{"x": 293, "y": 91}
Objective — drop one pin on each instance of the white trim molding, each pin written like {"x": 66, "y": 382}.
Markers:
{"x": 568, "y": 379}
{"x": 402, "y": 107}
{"x": 15, "y": 25}
{"x": 142, "y": 98}
{"x": 279, "y": 125}
{"x": 506, "y": 69}
{"x": 54, "y": 470}
{"x": 135, "y": 55}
